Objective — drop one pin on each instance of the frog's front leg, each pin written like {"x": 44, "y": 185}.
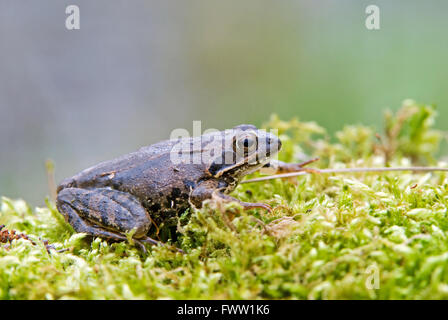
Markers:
{"x": 275, "y": 166}
{"x": 210, "y": 189}
{"x": 104, "y": 213}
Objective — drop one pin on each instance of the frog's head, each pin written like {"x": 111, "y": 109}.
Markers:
{"x": 245, "y": 150}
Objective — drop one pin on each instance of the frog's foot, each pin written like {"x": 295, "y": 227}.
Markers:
{"x": 103, "y": 213}
{"x": 245, "y": 205}
{"x": 207, "y": 190}
{"x": 149, "y": 240}
{"x": 256, "y": 205}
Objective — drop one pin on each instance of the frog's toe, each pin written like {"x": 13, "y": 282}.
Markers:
{"x": 249, "y": 205}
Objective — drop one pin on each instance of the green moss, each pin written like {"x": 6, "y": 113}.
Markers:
{"x": 328, "y": 237}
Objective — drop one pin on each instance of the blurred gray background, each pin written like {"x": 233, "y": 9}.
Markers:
{"x": 137, "y": 69}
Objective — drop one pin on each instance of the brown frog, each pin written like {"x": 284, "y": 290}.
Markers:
{"x": 157, "y": 183}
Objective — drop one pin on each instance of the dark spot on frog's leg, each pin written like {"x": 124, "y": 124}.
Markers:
{"x": 175, "y": 193}
{"x": 155, "y": 207}
{"x": 184, "y": 196}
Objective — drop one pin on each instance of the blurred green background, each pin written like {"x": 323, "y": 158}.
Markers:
{"x": 138, "y": 69}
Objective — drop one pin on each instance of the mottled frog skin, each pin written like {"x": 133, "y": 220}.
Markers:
{"x": 146, "y": 188}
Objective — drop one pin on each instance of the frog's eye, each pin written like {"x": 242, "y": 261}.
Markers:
{"x": 246, "y": 142}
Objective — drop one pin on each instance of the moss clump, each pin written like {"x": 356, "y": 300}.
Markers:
{"x": 351, "y": 236}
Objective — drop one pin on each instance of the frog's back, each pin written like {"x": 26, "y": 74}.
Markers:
{"x": 100, "y": 174}
{"x": 145, "y": 172}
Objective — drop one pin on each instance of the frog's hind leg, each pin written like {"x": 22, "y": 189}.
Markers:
{"x": 104, "y": 213}
{"x": 72, "y": 217}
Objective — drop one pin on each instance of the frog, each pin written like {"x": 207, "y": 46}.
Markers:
{"x": 140, "y": 190}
